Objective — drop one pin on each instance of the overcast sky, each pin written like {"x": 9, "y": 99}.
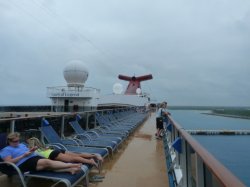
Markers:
{"x": 198, "y": 51}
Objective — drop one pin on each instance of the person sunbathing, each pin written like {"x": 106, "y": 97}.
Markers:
{"x": 28, "y": 160}
{"x": 65, "y": 156}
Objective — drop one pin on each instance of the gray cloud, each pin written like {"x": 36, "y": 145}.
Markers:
{"x": 197, "y": 51}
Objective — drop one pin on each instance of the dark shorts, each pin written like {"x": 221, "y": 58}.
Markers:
{"x": 55, "y": 153}
{"x": 30, "y": 164}
{"x": 159, "y": 123}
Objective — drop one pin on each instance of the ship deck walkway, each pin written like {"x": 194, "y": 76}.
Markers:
{"x": 140, "y": 164}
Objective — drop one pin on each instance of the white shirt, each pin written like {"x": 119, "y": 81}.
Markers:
{"x": 160, "y": 112}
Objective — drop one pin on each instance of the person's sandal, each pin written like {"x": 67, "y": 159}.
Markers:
{"x": 99, "y": 176}
{"x": 96, "y": 178}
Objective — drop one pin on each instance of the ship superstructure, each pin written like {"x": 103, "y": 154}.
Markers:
{"x": 133, "y": 95}
{"x": 75, "y": 96}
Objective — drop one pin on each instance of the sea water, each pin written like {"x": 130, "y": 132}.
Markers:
{"x": 231, "y": 150}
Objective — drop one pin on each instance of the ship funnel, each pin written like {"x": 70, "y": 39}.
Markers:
{"x": 134, "y": 85}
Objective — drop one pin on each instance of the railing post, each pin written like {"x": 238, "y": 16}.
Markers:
{"x": 199, "y": 171}
{"x": 208, "y": 179}
{"x": 42, "y": 136}
{"x": 189, "y": 165}
{"x": 12, "y": 126}
{"x": 62, "y": 126}
{"x": 183, "y": 163}
{"x": 94, "y": 120}
{"x": 87, "y": 121}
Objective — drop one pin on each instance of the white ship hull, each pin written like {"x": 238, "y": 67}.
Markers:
{"x": 122, "y": 100}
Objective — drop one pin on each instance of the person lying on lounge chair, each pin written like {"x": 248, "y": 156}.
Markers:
{"x": 28, "y": 160}
{"x": 62, "y": 155}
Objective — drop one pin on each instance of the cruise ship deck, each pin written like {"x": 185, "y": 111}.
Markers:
{"x": 140, "y": 162}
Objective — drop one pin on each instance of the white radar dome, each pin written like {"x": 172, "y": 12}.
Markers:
{"x": 75, "y": 73}
{"x": 138, "y": 91}
{"x": 117, "y": 88}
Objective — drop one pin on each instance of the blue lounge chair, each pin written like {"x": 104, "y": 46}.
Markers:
{"x": 104, "y": 122}
{"x": 69, "y": 180}
{"x": 94, "y": 135}
{"x": 69, "y": 144}
{"x": 130, "y": 120}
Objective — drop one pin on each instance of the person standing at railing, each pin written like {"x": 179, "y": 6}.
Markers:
{"x": 160, "y": 115}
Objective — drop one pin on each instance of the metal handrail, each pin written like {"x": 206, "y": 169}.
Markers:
{"x": 52, "y": 114}
{"x": 225, "y": 177}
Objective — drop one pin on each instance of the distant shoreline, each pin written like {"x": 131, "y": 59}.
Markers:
{"x": 209, "y": 107}
{"x": 227, "y": 115}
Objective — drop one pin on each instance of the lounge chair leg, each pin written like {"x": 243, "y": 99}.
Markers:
{"x": 86, "y": 181}
{"x": 100, "y": 167}
{"x": 111, "y": 154}
{"x": 57, "y": 183}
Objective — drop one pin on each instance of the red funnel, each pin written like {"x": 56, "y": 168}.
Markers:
{"x": 134, "y": 82}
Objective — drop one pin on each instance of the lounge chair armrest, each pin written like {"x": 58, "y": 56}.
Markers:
{"x": 79, "y": 141}
{"x": 104, "y": 127}
{"x": 15, "y": 169}
{"x": 70, "y": 141}
{"x": 93, "y": 132}
{"x": 57, "y": 145}
{"x": 98, "y": 130}
{"x": 83, "y": 136}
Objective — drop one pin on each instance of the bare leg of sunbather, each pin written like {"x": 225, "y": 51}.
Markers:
{"x": 57, "y": 166}
{"x": 86, "y": 155}
{"x": 70, "y": 170}
{"x": 75, "y": 158}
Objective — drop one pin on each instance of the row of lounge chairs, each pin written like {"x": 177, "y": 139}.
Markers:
{"x": 111, "y": 132}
